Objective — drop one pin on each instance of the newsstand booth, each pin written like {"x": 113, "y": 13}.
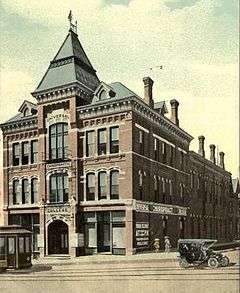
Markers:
{"x": 15, "y": 247}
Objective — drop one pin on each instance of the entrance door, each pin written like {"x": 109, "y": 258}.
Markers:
{"x": 103, "y": 232}
{"x": 11, "y": 252}
{"x": 58, "y": 237}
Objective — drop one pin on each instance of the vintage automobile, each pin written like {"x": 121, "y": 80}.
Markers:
{"x": 196, "y": 252}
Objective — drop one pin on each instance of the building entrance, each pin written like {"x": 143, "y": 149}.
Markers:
{"x": 103, "y": 232}
{"x": 58, "y": 238}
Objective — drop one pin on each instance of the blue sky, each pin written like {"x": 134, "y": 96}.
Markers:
{"x": 195, "y": 41}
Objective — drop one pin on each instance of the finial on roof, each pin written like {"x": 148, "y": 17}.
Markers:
{"x": 72, "y": 26}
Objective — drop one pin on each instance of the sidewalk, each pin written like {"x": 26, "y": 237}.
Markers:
{"x": 109, "y": 258}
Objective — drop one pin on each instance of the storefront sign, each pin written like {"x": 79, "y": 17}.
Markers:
{"x": 142, "y": 234}
{"x": 160, "y": 208}
{"x": 58, "y": 210}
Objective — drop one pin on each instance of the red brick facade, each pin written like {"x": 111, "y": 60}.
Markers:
{"x": 161, "y": 188}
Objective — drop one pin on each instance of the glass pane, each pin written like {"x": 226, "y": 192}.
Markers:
{"x": 21, "y": 244}
{"x": 114, "y": 133}
{"x": 91, "y": 235}
{"x": 91, "y": 180}
{"x": 25, "y": 148}
{"x": 114, "y": 177}
{"x": 27, "y": 244}
{"x": 65, "y": 181}
{"x": 102, "y": 136}
{"x": 2, "y": 247}
{"x": 90, "y": 137}
{"x": 53, "y": 182}
{"x": 11, "y": 245}
{"x": 16, "y": 149}
{"x": 102, "y": 179}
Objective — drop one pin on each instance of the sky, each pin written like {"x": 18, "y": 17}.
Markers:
{"x": 196, "y": 42}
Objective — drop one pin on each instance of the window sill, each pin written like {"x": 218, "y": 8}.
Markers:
{"x": 23, "y": 206}
{"x": 103, "y": 157}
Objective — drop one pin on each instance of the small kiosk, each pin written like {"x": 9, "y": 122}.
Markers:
{"x": 15, "y": 247}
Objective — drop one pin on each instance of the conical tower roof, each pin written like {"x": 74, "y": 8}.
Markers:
{"x": 70, "y": 65}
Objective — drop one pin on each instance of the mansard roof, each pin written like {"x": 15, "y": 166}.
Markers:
{"x": 70, "y": 65}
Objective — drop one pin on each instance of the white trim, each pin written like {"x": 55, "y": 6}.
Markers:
{"x": 144, "y": 157}
{"x": 103, "y": 125}
{"x": 181, "y": 150}
{"x": 141, "y": 128}
{"x": 163, "y": 139}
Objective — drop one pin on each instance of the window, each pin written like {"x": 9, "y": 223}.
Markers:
{"x": 59, "y": 188}
{"x": 114, "y": 140}
{"x": 2, "y": 248}
{"x": 102, "y": 142}
{"x": 26, "y": 112}
{"x": 156, "y": 148}
{"x": 164, "y": 190}
{"x": 155, "y": 188}
{"x": 102, "y": 185}
{"x": 16, "y": 193}
{"x": 114, "y": 184}
{"x": 34, "y": 191}
{"x": 141, "y": 142}
{"x": 21, "y": 244}
{"x": 25, "y": 153}
{"x": 181, "y": 159}
{"x": 16, "y": 154}
{"x": 170, "y": 188}
{"x": 90, "y": 147}
{"x": 25, "y": 191}
{"x": 140, "y": 185}
{"x": 90, "y": 190}
{"x": 171, "y": 155}
{"x": 34, "y": 151}
{"x": 59, "y": 141}
{"x": 164, "y": 152}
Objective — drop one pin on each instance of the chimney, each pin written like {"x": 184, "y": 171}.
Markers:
{"x": 212, "y": 153}
{"x": 201, "y": 150}
{"x": 148, "y": 86}
{"x": 222, "y": 164}
{"x": 174, "y": 111}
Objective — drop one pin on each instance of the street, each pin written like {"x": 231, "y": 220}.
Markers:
{"x": 115, "y": 277}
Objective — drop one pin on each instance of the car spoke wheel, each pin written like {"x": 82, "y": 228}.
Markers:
{"x": 213, "y": 262}
{"x": 224, "y": 261}
{"x": 183, "y": 263}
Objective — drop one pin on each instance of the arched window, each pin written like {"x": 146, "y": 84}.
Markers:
{"x": 34, "y": 190}
{"x": 59, "y": 188}
{"x": 16, "y": 192}
{"x": 58, "y": 135}
{"x": 26, "y": 112}
{"x": 103, "y": 95}
{"x": 114, "y": 184}
{"x": 90, "y": 186}
{"x": 102, "y": 185}
{"x": 25, "y": 191}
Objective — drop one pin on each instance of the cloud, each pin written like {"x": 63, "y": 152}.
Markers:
{"x": 196, "y": 46}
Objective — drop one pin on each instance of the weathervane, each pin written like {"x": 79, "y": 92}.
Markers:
{"x": 73, "y": 27}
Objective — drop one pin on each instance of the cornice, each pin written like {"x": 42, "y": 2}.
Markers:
{"x": 209, "y": 164}
{"x": 133, "y": 104}
{"x": 19, "y": 125}
{"x": 65, "y": 91}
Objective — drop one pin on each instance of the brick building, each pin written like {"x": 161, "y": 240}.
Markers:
{"x": 92, "y": 167}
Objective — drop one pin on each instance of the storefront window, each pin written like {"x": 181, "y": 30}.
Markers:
{"x": 2, "y": 248}
{"x": 21, "y": 244}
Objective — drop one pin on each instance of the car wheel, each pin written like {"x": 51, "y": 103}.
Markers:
{"x": 213, "y": 262}
{"x": 183, "y": 263}
{"x": 224, "y": 261}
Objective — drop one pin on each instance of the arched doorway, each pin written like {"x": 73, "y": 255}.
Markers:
{"x": 58, "y": 237}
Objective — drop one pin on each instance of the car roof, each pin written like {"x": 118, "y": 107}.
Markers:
{"x": 196, "y": 240}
